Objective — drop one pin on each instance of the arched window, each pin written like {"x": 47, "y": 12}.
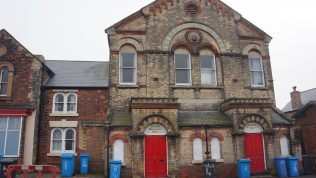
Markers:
{"x": 128, "y": 65}
{"x": 59, "y": 102}
{"x": 284, "y": 146}
{"x": 118, "y": 150}
{"x": 65, "y": 103}
{"x": 182, "y": 67}
{"x": 256, "y": 69}
{"x": 4, "y": 81}
{"x": 208, "y": 67}
{"x": 215, "y": 148}
{"x": 71, "y": 103}
{"x": 63, "y": 140}
{"x": 197, "y": 149}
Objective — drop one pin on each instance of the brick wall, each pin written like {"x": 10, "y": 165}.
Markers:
{"x": 92, "y": 106}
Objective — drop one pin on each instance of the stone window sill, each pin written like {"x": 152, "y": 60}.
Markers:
{"x": 195, "y": 87}
{"x": 258, "y": 88}
{"x": 64, "y": 114}
{"x": 5, "y": 97}
{"x": 197, "y": 161}
{"x": 57, "y": 154}
{"x": 122, "y": 86}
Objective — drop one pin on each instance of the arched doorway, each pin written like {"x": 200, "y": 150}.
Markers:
{"x": 155, "y": 143}
{"x": 254, "y": 147}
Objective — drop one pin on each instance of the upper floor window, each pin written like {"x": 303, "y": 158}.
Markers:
{"x": 215, "y": 148}
{"x": 10, "y": 135}
{"x": 4, "y": 80}
{"x": 128, "y": 65}
{"x": 65, "y": 103}
{"x": 63, "y": 140}
{"x": 197, "y": 149}
{"x": 182, "y": 66}
{"x": 256, "y": 69}
{"x": 208, "y": 68}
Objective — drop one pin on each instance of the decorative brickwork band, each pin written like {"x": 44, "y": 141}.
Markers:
{"x": 254, "y": 118}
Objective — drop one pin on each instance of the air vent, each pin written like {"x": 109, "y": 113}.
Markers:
{"x": 192, "y": 9}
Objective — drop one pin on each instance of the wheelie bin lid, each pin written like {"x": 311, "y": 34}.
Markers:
{"x": 281, "y": 157}
{"x": 293, "y": 158}
{"x": 67, "y": 155}
{"x": 115, "y": 162}
{"x": 243, "y": 160}
{"x": 84, "y": 155}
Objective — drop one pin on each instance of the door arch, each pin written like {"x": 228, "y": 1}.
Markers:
{"x": 254, "y": 147}
{"x": 155, "y": 142}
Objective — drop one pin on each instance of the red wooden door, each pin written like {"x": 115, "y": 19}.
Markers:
{"x": 155, "y": 156}
{"x": 255, "y": 152}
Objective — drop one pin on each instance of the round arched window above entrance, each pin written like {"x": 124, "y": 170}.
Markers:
{"x": 155, "y": 129}
{"x": 253, "y": 127}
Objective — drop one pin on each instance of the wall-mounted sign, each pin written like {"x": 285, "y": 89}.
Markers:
{"x": 155, "y": 129}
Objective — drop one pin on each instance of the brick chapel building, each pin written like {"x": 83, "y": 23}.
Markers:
{"x": 180, "y": 67}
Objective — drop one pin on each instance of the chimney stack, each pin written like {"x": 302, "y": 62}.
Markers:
{"x": 296, "y": 99}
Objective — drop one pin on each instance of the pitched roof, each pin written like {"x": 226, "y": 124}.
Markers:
{"x": 306, "y": 96}
{"x": 74, "y": 74}
{"x": 279, "y": 118}
{"x": 203, "y": 118}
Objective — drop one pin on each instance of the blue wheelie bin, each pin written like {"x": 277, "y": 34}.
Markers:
{"x": 280, "y": 165}
{"x": 67, "y": 165}
{"x": 84, "y": 163}
{"x": 115, "y": 168}
{"x": 292, "y": 166}
{"x": 243, "y": 168}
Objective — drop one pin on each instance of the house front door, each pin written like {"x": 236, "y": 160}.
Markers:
{"x": 156, "y": 156}
{"x": 255, "y": 152}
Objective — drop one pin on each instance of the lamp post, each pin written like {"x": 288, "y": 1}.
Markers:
{"x": 107, "y": 133}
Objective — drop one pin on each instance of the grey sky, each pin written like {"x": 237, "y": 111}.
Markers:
{"x": 74, "y": 30}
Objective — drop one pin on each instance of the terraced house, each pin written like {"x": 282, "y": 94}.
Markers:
{"x": 190, "y": 80}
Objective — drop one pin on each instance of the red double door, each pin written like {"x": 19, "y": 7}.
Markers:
{"x": 155, "y": 156}
{"x": 255, "y": 152}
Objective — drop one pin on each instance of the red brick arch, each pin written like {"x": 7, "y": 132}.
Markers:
{"x": 118, "y": 136}
{"x": 281, "y": 133}
{"x": 217, "y": 135}
{"x": 197, "y": 135}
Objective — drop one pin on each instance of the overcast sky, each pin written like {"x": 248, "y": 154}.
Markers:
{"x": 74, "y": 30}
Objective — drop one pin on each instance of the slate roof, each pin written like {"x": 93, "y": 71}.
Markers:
{"x": 203, "y": 118}
{"x": 121, "y": 119}
{"x": 278, "y": 118}
{"x": 78, "y": 74}
{"x": 306, "y": 96}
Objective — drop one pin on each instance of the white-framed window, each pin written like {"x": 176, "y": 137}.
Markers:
{"x": 256, "y": 69}
{"x": 182, "y": 67}
{"x": 208, "y": 68}
{"x": 4, "y": 81}
{"x": 215, "y": 148}
{"x": 128, "y": 65}
{"x": 284, "y": 146}
{"x": 197, "y": 149}
{"x": 65, "y": 103}
{"x": 10, "y": 135}
{"x": 63, "y": 140}
{"x": 118, "y": 150}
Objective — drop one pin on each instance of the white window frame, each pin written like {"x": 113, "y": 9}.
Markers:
{"x": 121, "y": 69}
{"x": 208, "y": 69}
{"x": 215, "y": 147}
{"x": 284, "y": 146}
{"x": 199, "y": 147}
{"x": 261, "y": 70}
{"x": 1, "y": 82}
{"x": 63, "y": 140}
{"x": 6, "y": 132}
{"x": 65, "y": 95}
{"x": 119, "y": 152}
{"x": 189, "y": 69}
